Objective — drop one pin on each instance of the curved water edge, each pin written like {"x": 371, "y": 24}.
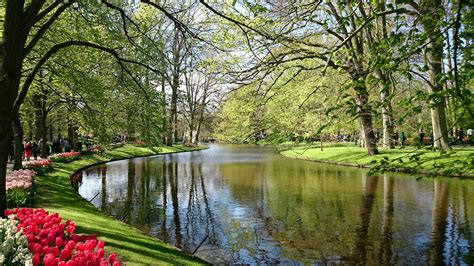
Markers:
{"x": 252, "y": 205}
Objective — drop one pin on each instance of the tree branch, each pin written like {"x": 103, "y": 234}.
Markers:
{"x": 53, "y": 50}
{"x": 39, "y": 34}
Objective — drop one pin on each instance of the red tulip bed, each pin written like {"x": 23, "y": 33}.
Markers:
{"x": 53, "y": 243}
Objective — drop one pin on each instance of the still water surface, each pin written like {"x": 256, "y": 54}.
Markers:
{"x": 256, "y": 206}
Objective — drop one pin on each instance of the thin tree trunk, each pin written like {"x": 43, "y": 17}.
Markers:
{"x": 30, "y": 130}
{"x": 18, "y": 137}
{"x": 44, "y": 138}
{"x": 164, "y": 124}
{"x": 51, "y": 130}
{"x": 37, "y": 104}
{"x": 71, "y": 135}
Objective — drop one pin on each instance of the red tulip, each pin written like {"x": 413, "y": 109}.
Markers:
{"x": 59, "y": 241}
{"x": 55, "y": 251}
{"x": 49, "y": 260}
{"x": 70, "y": 228}
{"x": 100, "y": 252}
{"x": 64, "y": 254}
{"x": 116, "y": 263}
{"x": 112, "y": 258}
{"x": 100, "y": 244}
{"x": 36, "y": 259}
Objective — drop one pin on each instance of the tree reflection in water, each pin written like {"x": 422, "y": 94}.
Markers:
{"x": 258, "y": 207}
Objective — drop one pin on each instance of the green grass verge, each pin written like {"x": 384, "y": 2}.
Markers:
{"x": 460, "y": 162}
{"x": 54, "y": 193}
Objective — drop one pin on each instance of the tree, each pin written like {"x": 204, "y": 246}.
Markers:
{"x": 430, "y": 13}
{"x": 24, "y": 26}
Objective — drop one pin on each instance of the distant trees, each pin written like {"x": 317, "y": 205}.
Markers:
{"x": 377, "y": 44}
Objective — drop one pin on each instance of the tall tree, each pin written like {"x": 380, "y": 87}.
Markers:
{"x": 431, "y": 17}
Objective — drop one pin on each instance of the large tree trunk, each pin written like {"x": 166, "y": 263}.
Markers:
{"x": 18, "y": 138}
{"x": 433, "y": 56}
{"x": 365, "y": 115}
{"x": 387, "y": 117}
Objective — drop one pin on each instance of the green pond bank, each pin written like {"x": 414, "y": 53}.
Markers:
{"x": 460, "y": 162}
{"x": 55, "y": 194}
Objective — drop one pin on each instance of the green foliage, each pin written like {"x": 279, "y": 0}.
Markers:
{"x": 19, "y": 197}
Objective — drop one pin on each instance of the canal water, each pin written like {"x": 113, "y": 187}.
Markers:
{"x": 251, "y": 205}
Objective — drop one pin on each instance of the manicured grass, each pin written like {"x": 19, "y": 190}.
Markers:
{"x": 459, "y": 162}
{"x": 54, "y": 193}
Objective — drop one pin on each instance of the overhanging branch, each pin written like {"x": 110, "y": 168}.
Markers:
{"x": 53, "y": 50}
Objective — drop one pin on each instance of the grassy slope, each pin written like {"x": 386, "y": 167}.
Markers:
{"x": 55, "y": 194}
{"x": 358, "y": 156}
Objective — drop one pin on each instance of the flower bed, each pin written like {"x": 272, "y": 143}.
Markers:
{"x": 93, "y": 150}
{"x": 39, "y": 166}
{"x": 66, "y": 157}
{"x": 13, "y": 244}
{"x": 20, "y": 189}
{"x": 53, "y": 243}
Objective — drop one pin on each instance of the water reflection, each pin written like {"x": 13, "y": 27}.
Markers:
{"x": 251, "y": 205}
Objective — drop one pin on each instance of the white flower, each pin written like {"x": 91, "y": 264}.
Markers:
{"x": 13, "y": 244}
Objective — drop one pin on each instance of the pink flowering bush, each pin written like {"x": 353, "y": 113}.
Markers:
{"x": 53, "y": 243}
{"x": 66, "y": 157}
{"x": 20, "y": 189}
{"x": 39, "y": 166}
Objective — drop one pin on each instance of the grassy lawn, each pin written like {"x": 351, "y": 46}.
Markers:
{"x": 55, "y": 194}
{"x": 458, "y": 162}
